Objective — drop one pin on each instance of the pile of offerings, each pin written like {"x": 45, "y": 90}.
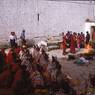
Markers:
{"x": 81, "y": 60}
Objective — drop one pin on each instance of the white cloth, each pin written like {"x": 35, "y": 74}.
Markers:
{"x": 84, "y": 60}
{"x": 11, "y": 37}
{"x": 42, "y": 43}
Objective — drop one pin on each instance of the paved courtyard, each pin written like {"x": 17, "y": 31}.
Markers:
{"x": 77, "y": 72}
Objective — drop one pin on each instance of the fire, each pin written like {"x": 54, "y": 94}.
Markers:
{"x": 88, "y": 48}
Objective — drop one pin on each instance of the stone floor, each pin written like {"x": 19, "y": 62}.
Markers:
{"x": 58, "y": 52}
{"x": 77, "y": 72}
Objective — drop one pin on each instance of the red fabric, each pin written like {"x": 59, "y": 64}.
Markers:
{"x": 79, "y": 39}
{"x": 15, "y": 67}
{"x": 9, "y": 58}
{"x": 72, "y": 45}
{"x": 4, "y": 75}
{"x": 17, "y": 77}
{"x": 17, "y": 50}
{"x": 82, "y": 38}
{"x": 3, "y": 52}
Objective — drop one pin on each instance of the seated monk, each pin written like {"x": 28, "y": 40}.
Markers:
{"x": 11, "y": 57}
{"x": 17, "y": 78}
{"x": 2, "y": 61}
{"x": 17, "y": 50}
{"x": 3, "y": 52}
{"x": 72, "y": 44}
{"x": 6, "y": 76}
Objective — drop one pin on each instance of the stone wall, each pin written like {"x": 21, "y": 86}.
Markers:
{"x": 54, "y": 17}
{"x": 57, "y": 17}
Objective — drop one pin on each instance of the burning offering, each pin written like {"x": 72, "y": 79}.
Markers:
{"x": 88, "y": 48}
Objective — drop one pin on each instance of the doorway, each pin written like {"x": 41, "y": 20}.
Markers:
{"x": 93, "y": 33}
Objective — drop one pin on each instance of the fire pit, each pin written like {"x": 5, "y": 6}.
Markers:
{"x": 89, "y": 52}
{"x": 90, "y": 55}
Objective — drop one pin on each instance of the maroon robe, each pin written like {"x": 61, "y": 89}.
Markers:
{"x": 72, "y": 44}
{"x": 17, "y": 78}
{"x": 17, "y": 50}
{"x": 4, "y": 75}
{"x": 64, "y": 44}
{"x": 3, "y": 52}
{"x": 9, "y": 58}
{"x": 79, "y": 41}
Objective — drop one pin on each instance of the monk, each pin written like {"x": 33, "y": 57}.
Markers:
{"x": 64, "y": 44}
{"x": 3, "y": 52}
{"x": 17, "y": 50}
{"x": 87, "y": 38}
{"x": 68, "y": 38}
{"x": 17, "y": 77}
{"x": 78, "y": 40}
{"x": 2, "y": 61}
{"x": 11, "y": 58}
{"x": 4, "y": 76}
{"x": 72, "y": 44}
{"x": 82, "y": 40}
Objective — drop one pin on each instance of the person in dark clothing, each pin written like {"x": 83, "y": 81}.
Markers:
{"x": 22, "y": 37}
{"x": 12, "y": 39}
{"x": 12, "y": 57}
{"x": 2, "y": 62}
{"x": 24, "y": 85}
{"x": 87, "y": 37}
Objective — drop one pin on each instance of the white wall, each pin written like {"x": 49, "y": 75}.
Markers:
{"x": 60, "y": 16}
{"x": 16, "y": 15}
{"x": 55, "y": 17}
{"x": 94, "y": 11}
{"x": 88, "y": 26}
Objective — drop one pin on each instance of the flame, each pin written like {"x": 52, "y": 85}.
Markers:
{"x": 88, "y": 48}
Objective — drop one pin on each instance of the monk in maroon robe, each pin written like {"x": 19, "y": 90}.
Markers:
{"x": 17, "y": 78}
{"x": 3, "y": 52}
{"x": 17, "y": 50}
{"x": 79, "y": 41}
{"x": 11, "y": 57}
{"x": 64, "y": 44}
{"x": 4, "y": 75}
{"x": 72, "y": 44}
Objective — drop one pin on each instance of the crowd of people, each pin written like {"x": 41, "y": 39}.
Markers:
{"x": 24, "y": 69}
{"x": 73, "y": 40}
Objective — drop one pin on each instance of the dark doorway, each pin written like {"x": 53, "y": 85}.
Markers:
{"x": 93, "y": 33}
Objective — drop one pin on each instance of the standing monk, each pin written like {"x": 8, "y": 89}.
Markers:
{"x": 87, "y": 38}
{"x": 64, "y": 43}
{"x": 72, "y": 43}
{"x": 79, "y": 40}
{"x": 82, "y": 40}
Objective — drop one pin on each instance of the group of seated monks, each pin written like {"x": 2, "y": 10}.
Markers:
{"x": 74, "y": 40}
{"x": 24, "y": 69}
